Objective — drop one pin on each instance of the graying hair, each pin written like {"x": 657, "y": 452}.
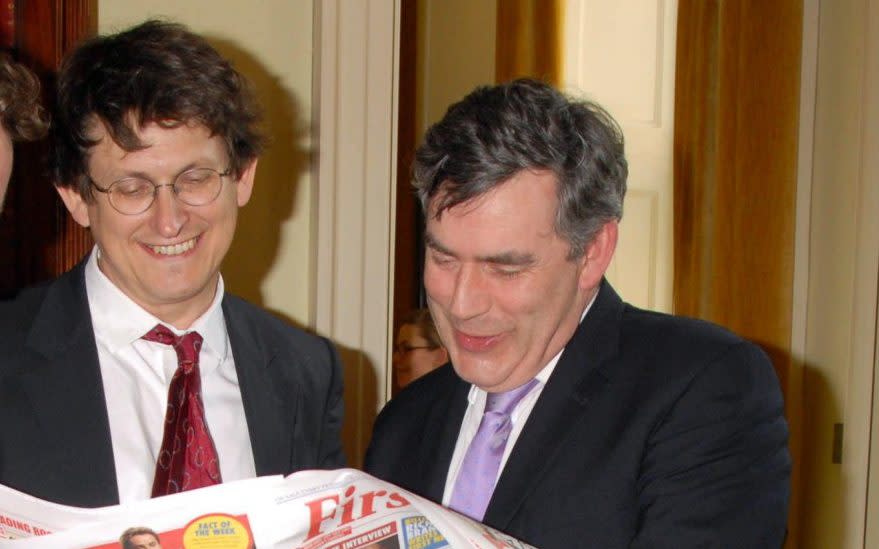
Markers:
{"x": 497, "y": 131}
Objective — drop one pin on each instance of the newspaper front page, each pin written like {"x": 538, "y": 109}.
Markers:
{"x": 342, "y": 509}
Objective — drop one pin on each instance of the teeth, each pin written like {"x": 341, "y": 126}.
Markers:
{"x": 176, "y": 249}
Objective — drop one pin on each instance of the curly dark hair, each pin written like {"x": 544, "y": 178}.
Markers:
{"x": 498, "y": 131}
{"x": 21, "y": 113}
{"x": 156, "y": 72}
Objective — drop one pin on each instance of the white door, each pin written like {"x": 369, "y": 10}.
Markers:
{"x": 621, "y": 54}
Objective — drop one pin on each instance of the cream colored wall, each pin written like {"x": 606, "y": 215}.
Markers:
{"x": 356, "y": 110}
{"x": 455, "y": 53}
{"x": 270, "y": 42}
{"x": 843, "y": 269}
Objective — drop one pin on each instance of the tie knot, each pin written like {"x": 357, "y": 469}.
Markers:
{"x": 186, "y": 346}
{"x": 503, "y": 403}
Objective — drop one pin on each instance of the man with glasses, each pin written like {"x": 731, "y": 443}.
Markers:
{"x": 135, "y": 375}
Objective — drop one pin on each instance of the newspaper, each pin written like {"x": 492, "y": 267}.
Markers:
{"x": 342, "y": 509}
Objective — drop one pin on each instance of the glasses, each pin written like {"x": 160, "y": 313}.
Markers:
{"x": 135, "y": 195}
{"x": 403, "y": 348}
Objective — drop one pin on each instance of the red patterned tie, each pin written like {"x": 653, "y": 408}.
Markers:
{"x": 188, "y": 458}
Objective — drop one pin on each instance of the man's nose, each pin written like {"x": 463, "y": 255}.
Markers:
{"x": 470, "y": 296}
{"x": 169, "y": 213}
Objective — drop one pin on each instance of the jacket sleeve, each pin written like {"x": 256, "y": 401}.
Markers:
{"x": 716, "y": 469}
{"x": 331, "y": 455}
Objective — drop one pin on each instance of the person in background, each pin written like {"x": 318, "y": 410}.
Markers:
{"x": 135, "y": 374}
{"x": 566, "y": 417}
{"x": 418, "y": 349}
{"x": 22, "y": 117}
{"x": 140, "y": 537}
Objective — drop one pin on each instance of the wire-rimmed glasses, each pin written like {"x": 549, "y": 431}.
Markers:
{"x": 135, "y": 195}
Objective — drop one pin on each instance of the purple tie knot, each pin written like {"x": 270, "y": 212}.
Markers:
{"x": 504, "y": 403}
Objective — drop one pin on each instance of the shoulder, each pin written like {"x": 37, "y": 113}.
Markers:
{"x": 421, "y": 397}
{"x": 19, "y": 311}
{"x": 668, "y": 330}
{"x": 680, "y": 339}
{"x": 19, "y": 307}
{"x": 251, "y": 324}
{"x": 645, "y": 341}
{"x": 435, "y": 385}
{"x": 683, "y": 369}
{"x": 408, "y": 423}
{"x": 710, "y": 404}
{"x": 268, "y": 324}
{"x": 665, "y": 360}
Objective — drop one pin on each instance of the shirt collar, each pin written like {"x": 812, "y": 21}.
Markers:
{"x": 118, "y": 321}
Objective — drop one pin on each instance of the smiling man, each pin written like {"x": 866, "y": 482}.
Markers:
{"x": 135, "y": 374}
{"x": 566, "y": 417}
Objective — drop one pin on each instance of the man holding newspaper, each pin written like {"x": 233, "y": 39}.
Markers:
{"x": 566, "y": 417}
{"x": 134, "y": 374}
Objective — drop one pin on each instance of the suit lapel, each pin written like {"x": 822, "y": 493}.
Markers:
{"x": 581, "y": 373}
{"x": 270, "y": 419}
{"x": 441, "y": 432}
{"x": 66, "y": 391}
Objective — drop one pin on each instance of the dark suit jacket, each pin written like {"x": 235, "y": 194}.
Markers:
{"x": 653, "y": 431}
{"x": 54, "y": 430}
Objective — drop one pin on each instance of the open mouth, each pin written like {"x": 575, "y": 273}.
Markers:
{"x": 174, "y": 249}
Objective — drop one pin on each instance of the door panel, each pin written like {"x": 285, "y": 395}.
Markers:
{"x": 622, "y": 55}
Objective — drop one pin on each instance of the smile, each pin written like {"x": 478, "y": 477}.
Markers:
{"x": 476, "y": 344}
{"x": 175, "y": 249}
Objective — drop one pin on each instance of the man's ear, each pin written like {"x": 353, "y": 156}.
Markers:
{"x": 598, "y": 254}
{"x": 245, "y": 183}
{"x": 76, "y": 205}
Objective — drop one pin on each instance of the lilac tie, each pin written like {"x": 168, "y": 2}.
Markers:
{"x": 479, "y": 470}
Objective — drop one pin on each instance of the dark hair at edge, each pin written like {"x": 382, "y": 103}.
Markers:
{"x": 21, "y": 113}
{"x": 156, "y": 72}
{"x": 497, "y": 131}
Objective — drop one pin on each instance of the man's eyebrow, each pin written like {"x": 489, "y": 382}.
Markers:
{"x": 201, "y": 162}
{"x": 433, "y": 243}
{"x": 502, "y": 258}
{"x": 510, "y": 258}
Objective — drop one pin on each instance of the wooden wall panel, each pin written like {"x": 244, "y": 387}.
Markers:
{"x": 41, "y": 241}
{"x": 735, "y": 170}
{"x": 736, "y": 127}
{"x": 528, "y": 40}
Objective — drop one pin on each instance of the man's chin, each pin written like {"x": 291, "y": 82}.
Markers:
{"x": 482, "y": 373}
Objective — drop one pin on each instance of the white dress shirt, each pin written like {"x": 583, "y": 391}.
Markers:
{"x": 476, "y": 407}
{"x": 136, "y": 376}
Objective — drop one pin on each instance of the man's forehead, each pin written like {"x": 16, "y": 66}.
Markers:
{"x": 153, "y": 142}
{"x": 500, "y": 251}
{"x": 97, "y": 128}
{"x": 449, "y": 193}
{"x": 439, "y": 203}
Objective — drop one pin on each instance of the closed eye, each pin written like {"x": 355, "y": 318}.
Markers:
{"x": 439, "y": 258}
{"x": 507, "y": 271}
{"x": 133, "y": 187}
